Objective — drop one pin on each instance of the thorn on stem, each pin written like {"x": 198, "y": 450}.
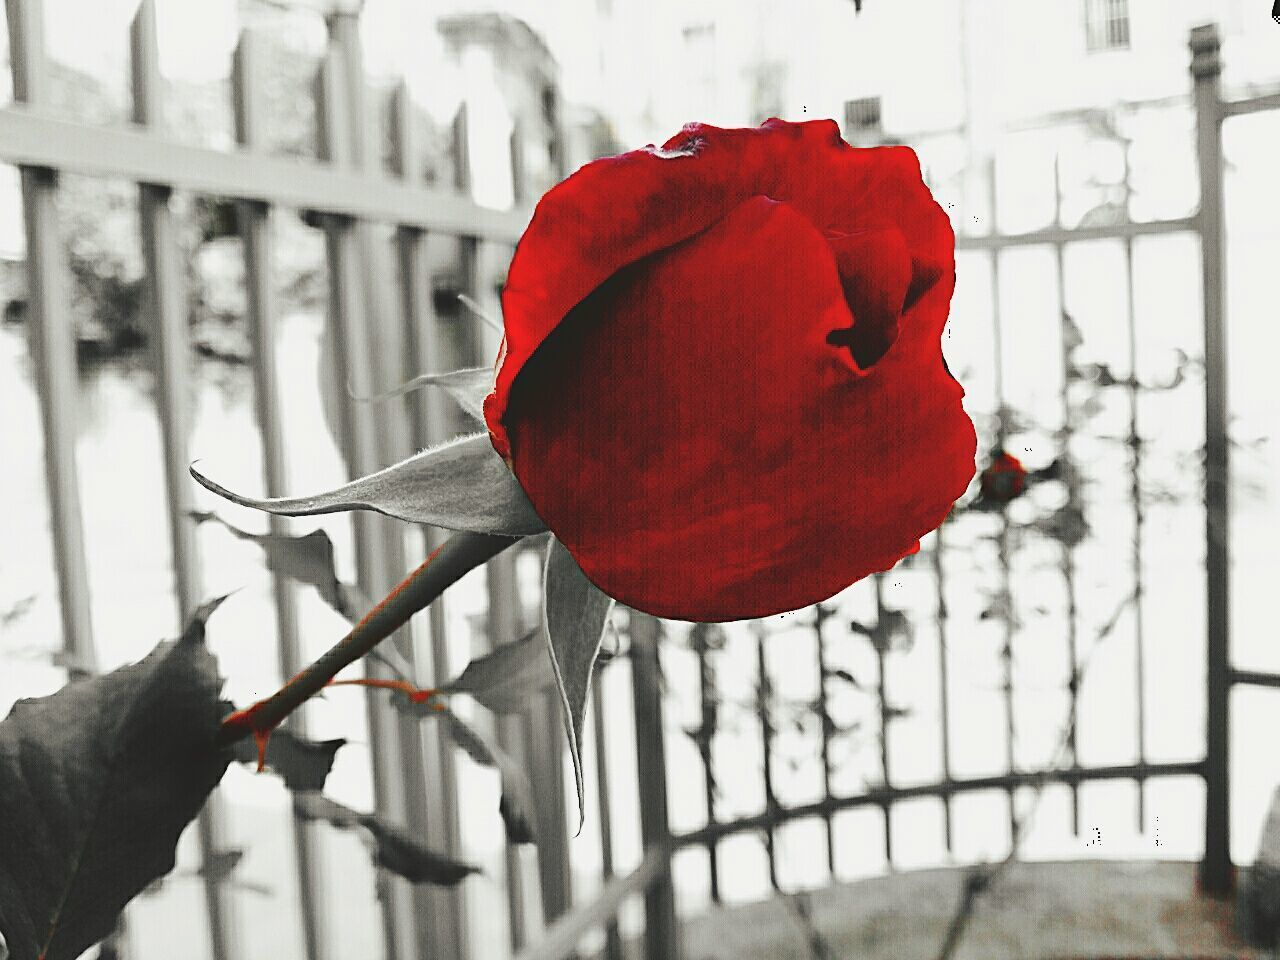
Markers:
{"x": 414, "y": 693}
{"x": 475, "y": 308}
{"x": 245, "y": 720}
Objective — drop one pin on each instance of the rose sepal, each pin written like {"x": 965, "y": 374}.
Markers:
{"x": 460, "y": 485}
{"x": 575, "y": 613}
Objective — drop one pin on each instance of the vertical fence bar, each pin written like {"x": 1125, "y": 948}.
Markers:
{"x": 764, "y": 712}
{"x": 445, "y": 918}
{"x": 519, "y": 162}
{"x": 881, "y": 647}
{"x": 1216, "y": 874}
{"x": 944, "y": 707}
{"x": 51, "y": 334}
{"x": 165, "y": 301}
{"x": 1134, "y": 442}
{"x": 518, "y": 741}
{"x": 517, "y": 736}
{"x": 612, "y": 935}
{"x": 544, "y": 733}
{"x": 1002, "y": 538}
{"x": 397, "y": 736}
{"x": 709, "y": 721}
{"x": 51, "y": 342}
{"x": 346, "y": 314}
{"x": 254, "y": 225}
{"x": 468, "y": 247}
{"x": 820, "y": 616}
{"x": 661, "y": 931}
{"x": 1074, "y": 493}
{"x": 384, "y": 341}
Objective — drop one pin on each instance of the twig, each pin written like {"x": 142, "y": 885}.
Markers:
{"x": 459, "y": 554}
{"x": 799, "y": 906}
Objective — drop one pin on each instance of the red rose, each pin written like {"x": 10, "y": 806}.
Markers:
{"x": 722, "y": 386}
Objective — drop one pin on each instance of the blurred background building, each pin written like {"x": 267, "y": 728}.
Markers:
{"x": 1069, "y": 646}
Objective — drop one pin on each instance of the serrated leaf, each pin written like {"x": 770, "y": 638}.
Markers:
{"x": 516, "y": 804}
{"x": 221, "y": 865}
{"x": 309, "y": 559}
{"x": 303, "y": 764}
{"x": 403, "y": 855}
{"x": 468, "y": 388}
{"x": 314, "y": 806}
{"x": 97, "y": 782}
{"x": 394, "y": 849}
{"x": 462, "y": 485}
{"x": 574, "y": 615}
{"x": 506, "y": 679}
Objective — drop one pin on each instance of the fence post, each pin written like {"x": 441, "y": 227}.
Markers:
{"x": 52, "y": 345}
{"x": 51, "y": 333}
{"x": 165, "y": 301}
{"x": 544, "y": 736}
{"x": 360, "y": 436}
{"x": 254, "y": 226}
{"x": 1216, "y": 872}
{"x": 444, "y": 913}
{"x": 661, "y": 933}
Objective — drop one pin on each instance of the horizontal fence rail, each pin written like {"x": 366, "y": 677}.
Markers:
{"x": 32, "y": 139}
{"x": 887, "y": 796}
{"x": 1058, "y": 236}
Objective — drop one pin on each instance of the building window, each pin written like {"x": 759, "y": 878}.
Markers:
{"x": 862, "y": 119}
{"x": 1106, "y": 25}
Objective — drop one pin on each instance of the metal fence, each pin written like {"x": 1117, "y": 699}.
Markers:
{"x": 827, "y": 628}
{"x": 347, "y": 190}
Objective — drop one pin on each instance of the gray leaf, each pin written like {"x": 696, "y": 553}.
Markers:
{"x": 506, "y": 679}
{"x": 397, "y": 851}
{"x": 303, "y": 764}
{"x": 393, "y": 848}
{"x": 308, "y": 559}
{"x": 516, "y": 805}
{"x": 316, "y": 806}
{"x": 97, "y": 782}
{"x": 467, "y": 387}
{"x": 575, "y": 613}
{"x": 462, "y": 485}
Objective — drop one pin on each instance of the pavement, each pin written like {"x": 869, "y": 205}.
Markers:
{"x": 1092, "y": 909}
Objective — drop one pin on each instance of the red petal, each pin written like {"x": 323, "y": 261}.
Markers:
{"x": 875, "y": 272}
{"x": 615, "y": 211}
{"x": 705, "y": 453}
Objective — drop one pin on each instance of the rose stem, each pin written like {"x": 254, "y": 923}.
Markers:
{"x": 459, "y": 554}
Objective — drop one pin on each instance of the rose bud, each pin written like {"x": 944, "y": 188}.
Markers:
{"x": 721, "y": 384}
{"x": 1003, "y": 480}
